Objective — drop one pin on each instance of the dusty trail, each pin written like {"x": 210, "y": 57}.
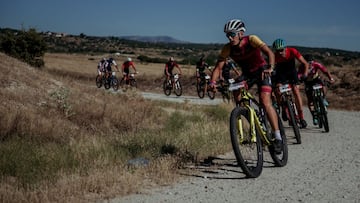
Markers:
{"x": 324, "y": 168}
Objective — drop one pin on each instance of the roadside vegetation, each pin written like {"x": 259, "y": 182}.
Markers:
{"x": 64, "y": 140}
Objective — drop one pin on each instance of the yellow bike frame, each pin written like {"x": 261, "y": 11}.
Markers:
{"x": 254, "y": 120}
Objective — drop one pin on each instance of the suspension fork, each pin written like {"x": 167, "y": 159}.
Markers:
{"x": 254, "y": 123}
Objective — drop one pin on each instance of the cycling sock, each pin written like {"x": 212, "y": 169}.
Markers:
{"x": 277, "y": 135}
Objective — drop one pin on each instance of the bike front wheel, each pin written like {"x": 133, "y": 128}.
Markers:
{"x": 200, "y": 88}
{"x": 323, "y": 115}
{"x": 211, "y": 93}
{"x": 98, "y": 81}
{"x": 248, "y": 152}
{"x": 133, "y": 83}
{"x": 280, "y": 159}
{"x": 178, "y": 88}
{"x": 115, "y": 83}
{"x": 291, "y": 112}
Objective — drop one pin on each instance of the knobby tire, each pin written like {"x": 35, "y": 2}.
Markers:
{"x": 281, "y": 159}
{"x": 167, "y": 88}
{"x": 178, "y": 88}
{"x": 292, "y": 118}
{"x": 323, "y": 115}
{"x": 249, "y": 155}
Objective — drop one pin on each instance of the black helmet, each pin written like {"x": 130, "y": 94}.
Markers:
{"x": 308, "y": 57}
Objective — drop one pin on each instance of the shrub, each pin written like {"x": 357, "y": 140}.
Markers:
{"x": 26, "y": 46}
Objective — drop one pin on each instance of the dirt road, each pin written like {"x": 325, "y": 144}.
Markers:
{"x": 324, "y": 168}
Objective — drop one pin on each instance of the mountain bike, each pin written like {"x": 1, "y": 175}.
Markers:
{"x": 113, "y": 81}
{"x": 289, "y": 108}
{"x": 102, "y": 80}
{"x": 250, "y": 131}
{"x": 129, "y": 80}
{"x": 172, "y": 84}
{"x": 223, "y": 88}
{"x": 319, "y": 106}
{"x": 202, "y": 86}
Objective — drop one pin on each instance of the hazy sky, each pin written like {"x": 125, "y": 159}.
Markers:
{"x": 310, "y": 23}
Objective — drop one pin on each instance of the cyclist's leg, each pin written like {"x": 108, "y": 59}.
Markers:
{"x": 294, "y": 80}
{"x": 265, "y": 98}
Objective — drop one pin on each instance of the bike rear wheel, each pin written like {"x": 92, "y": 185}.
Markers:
{"x": 291, "y": 112}
{"x": 249, "y": 154}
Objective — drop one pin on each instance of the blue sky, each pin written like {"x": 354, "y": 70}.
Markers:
{"x": 310, "y": 23}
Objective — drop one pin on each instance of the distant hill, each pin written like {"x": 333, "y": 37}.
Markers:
{"x": 153, "y": 39}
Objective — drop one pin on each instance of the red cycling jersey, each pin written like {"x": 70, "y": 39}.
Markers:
{"x": 248, "y": 56}
{"x": 285, "y": 64}
{"x": 290, "y": 53}
{"x": 313, "y": 73}
{"x": 127, "y": 64}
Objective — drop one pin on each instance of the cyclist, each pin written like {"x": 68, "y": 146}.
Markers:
{"x": 101, "y": 67}
{"x": 201, "y": 67}
{"x": 247, "y": 52}
{"x": 169, "y": 67}
{"x": 126, "y": 69}
{"x": 108, "y": 68}
{"x": 228, "y": 67}
{"x": 312, "y": 79}
{"x": 286, "y": 72}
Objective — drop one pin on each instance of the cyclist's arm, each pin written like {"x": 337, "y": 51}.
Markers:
{"x": 217, "y": 71}
{"x": 324, "y": 70}
{"x": 305, "y": 64}
{"x": 267, "y": 51}
{"x": 224, "y": 54}
{"x": 133, "y": 66}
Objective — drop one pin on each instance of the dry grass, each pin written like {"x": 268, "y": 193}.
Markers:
{"x": 62, "y": 139}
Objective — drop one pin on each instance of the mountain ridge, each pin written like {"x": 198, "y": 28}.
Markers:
{"x": 153, "y": 39}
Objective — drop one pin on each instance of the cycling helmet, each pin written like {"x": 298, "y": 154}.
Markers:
{"x": 308, "y": 57}
{"x": 234, "y": 25}
{"x": 279, "y": 44}
{"x": 129, "y": 59}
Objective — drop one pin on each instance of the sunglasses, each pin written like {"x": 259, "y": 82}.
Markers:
{"x": 231, "y": 34}
{"x": 280, "y": 50}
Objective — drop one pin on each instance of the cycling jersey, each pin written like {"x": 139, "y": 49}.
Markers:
{"x": 313, "y": 71}
{"x": 108, "y": 64}
{"x": 200, "y": 68}
{"x": 101, "y": 66}
{"x": 226, "y": 70}
{"x": 248, "y": 56}
{"x": 285, "y": 66}
{"x": 126, "y": 65}
{"x": 250, "y": 59}
{"x": 169, "y": 66}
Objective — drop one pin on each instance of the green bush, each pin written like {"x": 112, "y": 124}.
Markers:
{"x": 27, "y": 46}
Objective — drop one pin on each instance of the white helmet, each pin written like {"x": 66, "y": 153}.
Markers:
{"x": 234, "y": 25}
{"x": 129, "y": 59}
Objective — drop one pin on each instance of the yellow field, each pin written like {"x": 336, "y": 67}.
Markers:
{"x": 88, "y": 64}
